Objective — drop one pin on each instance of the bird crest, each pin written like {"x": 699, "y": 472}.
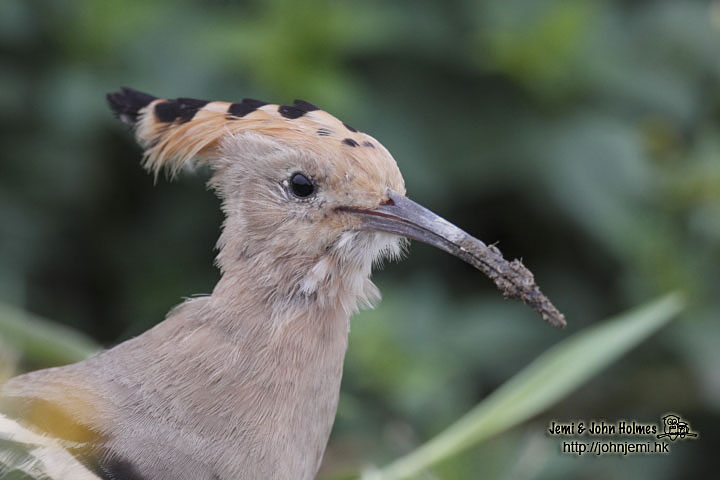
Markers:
{"x": 177, "y": 132}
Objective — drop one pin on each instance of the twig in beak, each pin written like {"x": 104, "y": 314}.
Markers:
{"x": 401, "y": 216}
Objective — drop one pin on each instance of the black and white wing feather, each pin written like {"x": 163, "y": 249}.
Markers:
{"x": 26, "y": 455}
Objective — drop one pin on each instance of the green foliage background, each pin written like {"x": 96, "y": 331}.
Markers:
{"x": 583, "y": 136}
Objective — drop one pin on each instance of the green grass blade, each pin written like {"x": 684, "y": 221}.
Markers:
{"x": 42, "y": 341}
{"x": 552, "y": 376}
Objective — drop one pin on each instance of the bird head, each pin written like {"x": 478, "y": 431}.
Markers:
{"x": 291, "y": 177}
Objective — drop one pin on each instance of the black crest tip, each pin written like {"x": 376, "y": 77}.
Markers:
{"x": 127, "y": 103}
{"x": 181, "y": 109}
{"x": 246, "y": 106}
{"x": 307, "y": 106}
{"x": 291, "y": 112}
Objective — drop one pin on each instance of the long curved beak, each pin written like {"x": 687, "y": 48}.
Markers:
{"x": 401, "y": 216}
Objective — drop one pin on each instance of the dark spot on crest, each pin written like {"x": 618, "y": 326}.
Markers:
{"x": 349, "y": 127}
{"x": 350, "y": 142}
{"x": 245, "y": 106}
{"x": 324, "y": 132}
{"x": 307, "y": 106}
{"x": 368, "y": 143}
{"x": 288, "y": 111}
{"x": 180, "y": 109}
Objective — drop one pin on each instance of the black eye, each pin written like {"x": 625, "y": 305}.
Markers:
{"x": 301, "y": 186}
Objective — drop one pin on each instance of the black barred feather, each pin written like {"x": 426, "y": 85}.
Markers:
{"x": 242, "y": 108}
{"x": 307, "y": 106}
{"x": 180, "y": 110}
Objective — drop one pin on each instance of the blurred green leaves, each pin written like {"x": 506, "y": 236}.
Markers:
{"x": 536, "y": 43}
{"x": 43, "y": 343}
{"x": 553, "y": 375}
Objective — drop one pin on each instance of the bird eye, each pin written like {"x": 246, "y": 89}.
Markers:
{"x": 301, "y": 186}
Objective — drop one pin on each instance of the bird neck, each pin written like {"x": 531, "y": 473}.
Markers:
{"x": 266, "y": 359}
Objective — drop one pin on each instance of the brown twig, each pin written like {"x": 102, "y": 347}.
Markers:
{"x": 512, "y": 278}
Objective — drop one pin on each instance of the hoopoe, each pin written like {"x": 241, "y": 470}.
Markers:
{"x": 242, "y": 383}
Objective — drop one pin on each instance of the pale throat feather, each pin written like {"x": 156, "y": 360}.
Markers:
{"x": 342, "y": 277}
